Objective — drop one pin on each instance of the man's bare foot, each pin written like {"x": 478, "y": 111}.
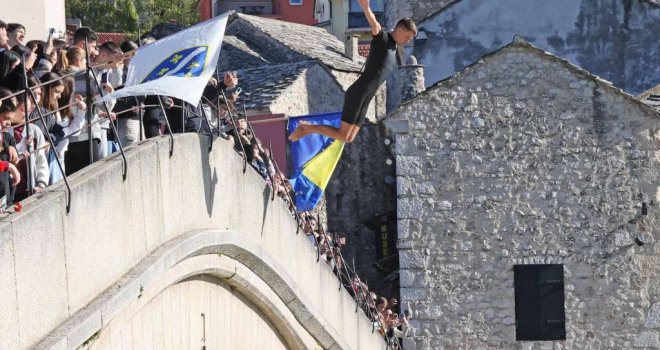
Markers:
{"x": 299, "y": 132}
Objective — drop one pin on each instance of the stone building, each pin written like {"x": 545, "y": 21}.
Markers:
{"x": 527, "y": 208}
{"x": 651, "y": 97}
{"x": 612, "y": 38}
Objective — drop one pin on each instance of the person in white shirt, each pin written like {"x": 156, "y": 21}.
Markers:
{"x": 62, "y": 123}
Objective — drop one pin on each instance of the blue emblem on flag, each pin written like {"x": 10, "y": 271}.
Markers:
{"x": 185, "y": 63}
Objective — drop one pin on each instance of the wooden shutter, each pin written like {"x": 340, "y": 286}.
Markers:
{"x": 539, "y": 302}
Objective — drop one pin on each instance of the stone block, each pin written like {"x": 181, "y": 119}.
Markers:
{"x": 414, "y": 294}
{"x": 653, "y": 316}
{"x": 41, "y": 279}
{"x": 406, "y": 278}
{"x": 647, "y": 340}
{"x": 412, "y": 259}
{"x": 409, "y": 208}
{"x": 98, "y": 232}
{"x": 8, "y": 302}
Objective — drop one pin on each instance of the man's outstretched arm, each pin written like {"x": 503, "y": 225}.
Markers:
{"x": 371, "y": 18}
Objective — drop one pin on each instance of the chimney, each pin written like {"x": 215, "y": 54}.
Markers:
{"x": 413, "y": 79}
{"x": 351, "y": 48}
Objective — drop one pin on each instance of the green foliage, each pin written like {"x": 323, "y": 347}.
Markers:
{"x": 127, "y": 16}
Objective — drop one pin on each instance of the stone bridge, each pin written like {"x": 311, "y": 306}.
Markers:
{"x": 186, "y": 251}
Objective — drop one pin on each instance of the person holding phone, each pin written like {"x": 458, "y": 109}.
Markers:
{"x": 213, "y": 95}
{"x": 110, "y": 74}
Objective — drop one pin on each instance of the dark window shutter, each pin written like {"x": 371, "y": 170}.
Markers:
{"x": 539, "y": 302}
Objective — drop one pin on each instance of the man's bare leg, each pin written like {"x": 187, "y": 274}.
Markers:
{"x": 346, "y": 131}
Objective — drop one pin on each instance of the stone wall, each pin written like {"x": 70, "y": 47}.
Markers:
{"x": 524, "y": 159}
{"x": 362, "y": 189}
{"x": 417, "y": 9}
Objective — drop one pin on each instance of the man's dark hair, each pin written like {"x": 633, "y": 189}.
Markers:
{"x": 22, "y": 50}
{"x": 9, "y": 104}
{"x": 407, "y": 24}
{"x": 32, "y": 82}
{"x": 110, "y": 46}
{"x": 12, "y": 27}
{"x": 127, "y": 46}
{"x": 83, "y": 33}
{"x": 7, "y": 60}
{"x": 36, "y": 45}
{"x": 59, "y": 44}
{"x": 3, "y": 24}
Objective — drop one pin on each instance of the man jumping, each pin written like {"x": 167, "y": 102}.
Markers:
{"x": 380, "y": 62}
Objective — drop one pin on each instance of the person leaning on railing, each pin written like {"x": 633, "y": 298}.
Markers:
{"x": 109, "y": 67}
{"x": 65, "y": 117}
{"x": 128, "y": 123}
{"x": 30, "y": 149}
{"x": 214, "y": 90}
{"x": 7, "y": 142}
{"x": 9, "y": 177}
{"x": 78, "y": 155}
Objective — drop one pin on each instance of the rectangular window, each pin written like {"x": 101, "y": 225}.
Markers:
{"x": 539, "y": 297}
{"x": 295, "y": 2}
{"x": 375, "y": 5}
{"x": 356, "y": 17}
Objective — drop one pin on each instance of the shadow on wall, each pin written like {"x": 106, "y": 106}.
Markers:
{"x": 209, "y": 179}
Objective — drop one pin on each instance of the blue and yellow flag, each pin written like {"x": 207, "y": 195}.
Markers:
{"x": 314, "y": 158}
{"x": 179, "y": 65}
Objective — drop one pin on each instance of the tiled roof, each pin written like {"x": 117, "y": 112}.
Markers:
{"x": 651, "y": 97}
{"x": 312, "y": 42}
{"x": 653, "y": 101}
{"x": 116, "y": 37}
{"x": 519, "y": 43}
{"x": 236, "y": 54}
{"x": 363, "y": 49}
{"x": 262, "y": 85}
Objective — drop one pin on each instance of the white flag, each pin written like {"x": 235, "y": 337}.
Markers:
{"x": 179, "y": 65}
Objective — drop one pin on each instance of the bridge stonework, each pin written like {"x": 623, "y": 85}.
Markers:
{"x": 136, "y": 262}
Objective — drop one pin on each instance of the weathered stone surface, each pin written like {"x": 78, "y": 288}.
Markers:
{"x": 653, "y": 316}
{"x": 647, "y": 339}
{"x": 551, "y": 176}
{"x": 361, "y": 192}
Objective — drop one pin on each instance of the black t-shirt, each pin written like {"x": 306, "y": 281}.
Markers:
{"x": 381, "y": 60}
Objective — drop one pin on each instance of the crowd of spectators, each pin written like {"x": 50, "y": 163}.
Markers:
{"x": 46, "y": 105}
{"x": 50, "y": 128}
{"x": 384, "y": 313}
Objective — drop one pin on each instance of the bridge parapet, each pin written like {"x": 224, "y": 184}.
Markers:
{"x": 64, "y": 277}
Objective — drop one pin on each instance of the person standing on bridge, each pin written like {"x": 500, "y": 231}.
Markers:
{"x": 380, "y": 62}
